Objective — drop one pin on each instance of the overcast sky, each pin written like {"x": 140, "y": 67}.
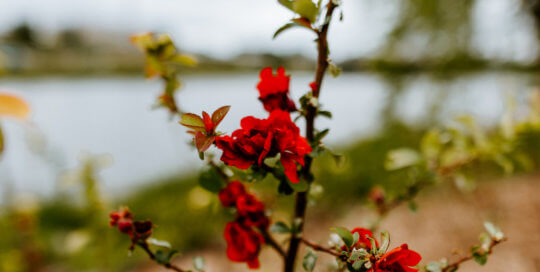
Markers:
{"x": 226, "y": 27}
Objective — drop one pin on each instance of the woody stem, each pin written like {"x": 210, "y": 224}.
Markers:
{"x": 302, "y": 197}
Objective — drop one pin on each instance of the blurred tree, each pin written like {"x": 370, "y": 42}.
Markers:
{"x": 70, "y": 38}
{"x": 430, "y": 29}
{"x": 533, "y": 8}
{"x": 22, "y": 34}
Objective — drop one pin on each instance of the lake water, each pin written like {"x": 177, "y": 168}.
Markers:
{"x": 114, "y": 116}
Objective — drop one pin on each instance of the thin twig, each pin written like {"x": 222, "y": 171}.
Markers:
{"x": 320, "y": 248}
{"x": 150, "y": 254}
{"x": 455, "y": 265}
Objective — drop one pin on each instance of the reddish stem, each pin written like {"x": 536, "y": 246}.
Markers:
{"x": 301, "y": 197}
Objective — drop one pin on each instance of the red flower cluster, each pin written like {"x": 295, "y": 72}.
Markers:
{"x": 274, "y": 90}
{"x": 399, "y": 259}
{"x": 261, "y": 138}
{"x": 123, "y": 219}
{"x": 243, "y": 242}
{"x": 363, "y": 241}
{"x": 137, "y": 230}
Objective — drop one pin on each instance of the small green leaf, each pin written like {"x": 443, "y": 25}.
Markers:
{"x": 164, "y": 257}
{"x": 211, "y": 181}
{"x": 479, "y": 256}
{"x": 385, "y": 238}
{"x": 199, "y": 263}
{"x": 280, "y": 227}
{"x": 310, "y": 259}
{"x": 334, "y": 70}
{"x": 325, "y": 114}
{"x": 345, "y": 235}
{"x": 356, "y": 237}
{"x": 284, "y": 28}
{"x": 306, "y": 9}
{"x": 192, "y": 121}
{"x": 373, "y": 245}
{"x": 494, "y": 231}
{"x": 286, "y": 3}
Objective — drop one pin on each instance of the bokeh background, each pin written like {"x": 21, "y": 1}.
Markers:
{"x": 94, "y": 142}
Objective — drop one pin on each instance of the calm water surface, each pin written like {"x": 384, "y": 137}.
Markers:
{"x": 114, "y": 116}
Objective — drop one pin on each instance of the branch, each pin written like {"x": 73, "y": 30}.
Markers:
{"x": 320, "y": 248}
{"x": 301, "y": 197}
{"x": 455, "y": 265}
{"x": 271, "y": 241}
{"x": 150, "y": 254}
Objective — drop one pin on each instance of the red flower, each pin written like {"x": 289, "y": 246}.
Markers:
{"x": 398, "y": 260}
{"x": 274, "y": 90}
{"x": 251, "y": 211}
{"x": 123, "y": 219}
{"x": 261, "y": 138}
{"x": 363, "y": 241}
{"x": 230, "y": 194}
{"x": 243, "y": 244}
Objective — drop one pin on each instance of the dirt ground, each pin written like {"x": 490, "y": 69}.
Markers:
{"x": 446, "y": 223}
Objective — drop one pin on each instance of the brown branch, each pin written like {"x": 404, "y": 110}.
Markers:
{"x": 455, "y": 265}
{"x": 271, "y": 241}
{"x": 301, "y": 197}
{"x": 150, "y": 254}
{"x": 320, "y": 248}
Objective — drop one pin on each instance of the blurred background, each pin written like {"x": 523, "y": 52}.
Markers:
{"x": 94, "y": 142}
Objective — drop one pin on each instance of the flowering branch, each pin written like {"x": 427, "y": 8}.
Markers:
{"x": 301, "y": 197}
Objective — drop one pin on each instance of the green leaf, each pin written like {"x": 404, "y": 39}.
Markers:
{"x": 334, "y": 70}
{"x": 283, "y": 28}
{"x": 211, "y": 181}
{"x": 192, "y": 121}
{"x": 310, "y": 259}
{"x": 301, "y": 186}
{"x": 325, "y": 114}
{"x": 345, "y": 235}
{"x": 373, "y": 245}
{"x": 306, "y": 9}
{"x": 164, "y": 257}
{"x": 199, "y": 263}
{"x": 385, "y": 238}
{"x": 219, "y": 114}
{"x": 479, "y": 256}
{"x": 357, "y": 266}
{"x": 280, "y": 227}
{"x": 286, "y": 3}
